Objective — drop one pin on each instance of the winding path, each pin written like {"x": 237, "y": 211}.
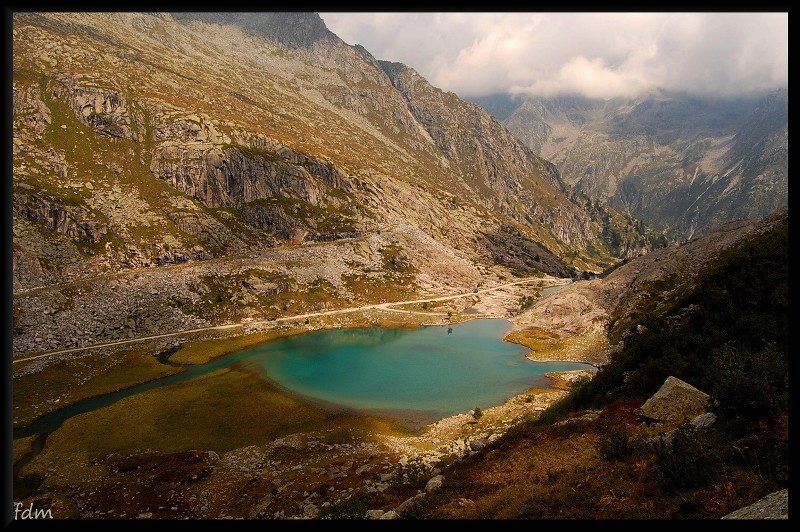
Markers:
{"x": 379, "y": 306}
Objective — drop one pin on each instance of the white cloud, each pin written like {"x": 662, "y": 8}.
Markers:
{"x": 595, "y": 54}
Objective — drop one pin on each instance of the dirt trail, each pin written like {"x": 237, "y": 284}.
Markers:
{"x": 379, "y": 306}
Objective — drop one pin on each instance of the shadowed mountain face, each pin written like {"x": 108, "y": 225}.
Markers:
{"x": 681, "y": 164}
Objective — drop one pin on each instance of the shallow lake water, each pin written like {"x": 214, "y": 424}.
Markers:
{"x": 438, "y": 369}
{"x": 418, "y": 375}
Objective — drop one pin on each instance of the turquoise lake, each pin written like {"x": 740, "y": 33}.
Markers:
{"x": 436, "y": 369}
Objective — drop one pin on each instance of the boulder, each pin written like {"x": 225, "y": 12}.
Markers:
{"x": 673, "y": 402}
{"x": 478, "y": 444}
{"x": 704, "y": 420}
{"x": 408, "y": 504}
{"x": 773, "y": 506}
{"x": 700, "y": 422}
{"x": 434, "y": 483}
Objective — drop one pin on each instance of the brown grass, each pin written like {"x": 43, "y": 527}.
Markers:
{"x": 223, "y": 410}
{"x": 543, "y": 343}
{"x": 67, "y": 381}
{"x": 207, "y": 350}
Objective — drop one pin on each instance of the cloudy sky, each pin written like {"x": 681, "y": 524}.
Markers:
{"x": 595, "y": 54}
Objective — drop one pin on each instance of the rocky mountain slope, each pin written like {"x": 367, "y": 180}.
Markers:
{"x": 681, "y": 164}
{"x": 190, "y": 140}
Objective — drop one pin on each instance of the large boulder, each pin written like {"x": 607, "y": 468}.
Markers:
{"x": 773, "y": 506}
{"x": 673, "y": 402}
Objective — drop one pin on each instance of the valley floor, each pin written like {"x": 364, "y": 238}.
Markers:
{"x": 281, "y": 456}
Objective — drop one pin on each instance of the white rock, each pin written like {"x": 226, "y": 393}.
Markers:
{"x": 435, "y": 483}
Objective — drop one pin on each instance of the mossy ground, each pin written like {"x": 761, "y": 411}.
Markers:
{"x": 227, "y": 409}
{"x": 543, "y": 343}
{"x": 207, "y": 350}
{"x": 69, "y": 380}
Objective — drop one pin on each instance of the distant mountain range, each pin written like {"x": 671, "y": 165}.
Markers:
{"x": 681, "y": 164}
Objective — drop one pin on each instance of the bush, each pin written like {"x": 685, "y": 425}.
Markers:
{"x": 477, "y": 413}
{"x": 414, "y": 472}
{"x": 616, "y": 442}
{"x": 686, "y": 460}
{"x": 352, "y": 508}
{"x": 754, "y": 385}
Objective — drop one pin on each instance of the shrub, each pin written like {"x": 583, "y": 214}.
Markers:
{"x": 754, "y": 385}
{"x": 686, "y": 460}
{"x": 352, "y": 508}
{"x": 616, "y": 442}
{"x": 416, "y": 471}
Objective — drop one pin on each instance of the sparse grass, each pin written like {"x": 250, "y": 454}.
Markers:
{"x": 556, "y": 473}
{"x": 652, "y": 297}
{"x": 225, "y": 298}
{"x": 67, "y": 381}
{"x": 429, "y": 306}
{"x": 387, "y": 287}
{"x": 22, "y": 446}
{"x": 208, "y": 350}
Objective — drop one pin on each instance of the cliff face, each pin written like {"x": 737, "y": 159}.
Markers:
{"x": 504, "y": 174}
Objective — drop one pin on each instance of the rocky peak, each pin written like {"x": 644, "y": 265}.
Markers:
{"x": 766, "y": 129}
{"x": 293, "y": 30}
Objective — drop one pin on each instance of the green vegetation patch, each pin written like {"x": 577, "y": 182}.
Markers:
{"x": 373, "y": 289}
{"x": 228, "y": 297}
{"x": 542, "y": 342}
{"x": 208, "y": 350}
{"x": 67, "y": 381}
{"x": 22, "y": 446}
{"x": 223, "y": 410}
{"x": 726, "y": 334}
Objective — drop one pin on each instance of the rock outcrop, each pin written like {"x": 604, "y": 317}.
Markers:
{"x": 70, "y": 221}
{"x": 673, "y": 402}
{"x": 773, "y": 506}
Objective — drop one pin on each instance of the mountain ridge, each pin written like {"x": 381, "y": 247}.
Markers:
{"x": 209, "y": 150}
{"x": 657, "y": 156}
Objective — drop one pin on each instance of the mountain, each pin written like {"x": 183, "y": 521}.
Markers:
{"x": 232, "y": 132}
{"x": 293, "y": 30}
{"x": 221, "y": 136}
{"x": 191, "y": 185}
{"x": 681, "y": 164}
